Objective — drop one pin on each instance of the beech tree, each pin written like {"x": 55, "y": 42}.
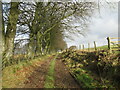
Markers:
{"x": 9, "y": 33}
{"x": 52, "y": 14}
{"x": 44, "y": 23}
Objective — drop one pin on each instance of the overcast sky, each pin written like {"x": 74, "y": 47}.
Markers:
{"x": 103, "y": 24}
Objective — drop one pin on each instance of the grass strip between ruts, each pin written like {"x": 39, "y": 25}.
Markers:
{"x": 49, "y": 81}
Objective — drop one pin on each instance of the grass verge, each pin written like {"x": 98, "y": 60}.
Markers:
{"x": 49, "y": 82}
{"x": 84, "y": 78}
{"x": 14, "y": 75}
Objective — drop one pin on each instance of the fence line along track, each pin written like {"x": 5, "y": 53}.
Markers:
{"x": 113, "y": 45}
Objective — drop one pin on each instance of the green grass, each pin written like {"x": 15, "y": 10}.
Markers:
{"x": 87, "y": 80}
{"x": 49, "y": 82}
{"x": 84, "y": 78}
{"x": 103, "y": 47}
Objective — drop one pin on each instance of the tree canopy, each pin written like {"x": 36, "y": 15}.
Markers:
{"x": 43, "y": 24}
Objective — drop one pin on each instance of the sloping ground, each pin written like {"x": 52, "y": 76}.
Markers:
{"x": 46, "y": 73}
{"x": 60, "y": 77}
{"x": 98, "y": 69}
{"x": 26, "y": 74}
{"x": 37, "y": 78}
{"x": 63, "y": 79}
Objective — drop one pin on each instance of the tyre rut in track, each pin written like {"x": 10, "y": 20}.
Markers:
{"x": 63, "y": 79}
{"x": 37, "y": 78}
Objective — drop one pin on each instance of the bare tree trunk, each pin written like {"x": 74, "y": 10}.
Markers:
{"x": 38, "y": 44}
{"x": 2, "y": 29}
{"x": 31, "y": 46}
{"x": 34, "y": 42}
{"x": 11, "y": 31}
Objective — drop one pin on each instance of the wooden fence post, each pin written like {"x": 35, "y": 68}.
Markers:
{"x": 108, "y": 38}
{"x": 80, "y": 47}
{"x": 83, "y": 47}
{"x": 88, "y": 46}
{"x": 95, "y": 46}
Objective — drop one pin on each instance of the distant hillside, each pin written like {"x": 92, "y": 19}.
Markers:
{"x": 103, "y": 47}
{"x": 100, "y": 47}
